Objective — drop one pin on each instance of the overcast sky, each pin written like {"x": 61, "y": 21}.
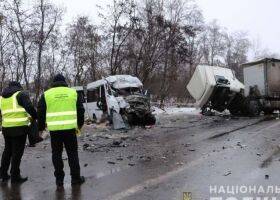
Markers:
{"x": 260, "y": 18}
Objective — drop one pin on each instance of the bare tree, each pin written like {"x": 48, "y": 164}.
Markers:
{"x": 4, "y": 40}
{"x": 148, "y": 40}
{"x": 121, "y": 23}
{"x": 83, "y": 42}
{"x": 237, "y": 47}
{"x": 45, "y": 21}
{"x": 161, "y": 42}
{"x": 19, "y": 24}
{"x": 259, "y": 52}
{"x": 213, "y": 44}
{"x": 190, "y": 50}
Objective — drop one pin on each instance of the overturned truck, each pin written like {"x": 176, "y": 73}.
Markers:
{"x": 119, "y": 95}
{"x": 217, "y": 88}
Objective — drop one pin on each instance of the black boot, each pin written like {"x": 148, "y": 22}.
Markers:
{"x": 32, "y": 145}
{"x": 39, "y": 139}
{"x": 19, "y": 179}
{"x": 5, "y": 178}
{"x": 78, "y": 181}
{"x": 59, "y": 183}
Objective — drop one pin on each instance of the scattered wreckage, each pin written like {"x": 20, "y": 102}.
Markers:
{"x": 119, "y": 98}
{"x": 217, "y": 88}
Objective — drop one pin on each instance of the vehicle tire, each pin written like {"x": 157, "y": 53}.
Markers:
{"x": 150, "y": 120}
{"x": 268, "y": 111}
{"x": 94, "y": 118}
{"x": 110, "y": 117}
{"x": 131, "y": 119}
{"x": 236, "y": 105}
{"x": 207, "y": 111}
{"x": 234, "y": 112}
{"x": 253, "y": 108}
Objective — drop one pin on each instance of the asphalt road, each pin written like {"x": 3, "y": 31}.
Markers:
{"x": 182, "y": 153}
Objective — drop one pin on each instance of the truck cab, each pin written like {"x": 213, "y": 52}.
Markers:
{"x": 215, "y": 88}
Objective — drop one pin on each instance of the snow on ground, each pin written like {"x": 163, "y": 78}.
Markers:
{"x": 176, "y": 110}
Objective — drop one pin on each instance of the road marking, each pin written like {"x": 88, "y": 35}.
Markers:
{"x": 244, "y": 127}
{"x": 235, "y": 129}
{"x": 277, "y": 123}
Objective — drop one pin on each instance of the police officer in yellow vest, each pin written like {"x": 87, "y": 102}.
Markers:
{"x": 16, "y": 111}
{"x": 61, "y": 110}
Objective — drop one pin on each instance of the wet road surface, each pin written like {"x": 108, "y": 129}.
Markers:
{"x": 181, "y": 154}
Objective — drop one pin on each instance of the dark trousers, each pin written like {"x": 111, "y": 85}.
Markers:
{"x": 69, "y": 140}
{"x": 13, "y": 151}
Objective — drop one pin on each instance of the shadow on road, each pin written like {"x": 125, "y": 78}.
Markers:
{"x": 15, "y": 192}
{"x": 10, "y": 192}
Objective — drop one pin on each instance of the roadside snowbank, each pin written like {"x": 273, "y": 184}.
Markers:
{"x": 175, "y": 111}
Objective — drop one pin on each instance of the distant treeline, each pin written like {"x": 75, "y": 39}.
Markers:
{"x": 161, "y": 42}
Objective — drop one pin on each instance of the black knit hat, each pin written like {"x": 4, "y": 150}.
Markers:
{"x": 59, "y": 78}
{"x": 15, "y": 84}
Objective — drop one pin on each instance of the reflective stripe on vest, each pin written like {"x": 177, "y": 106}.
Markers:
{"x": 64, "y": 122}
{"x": 13, "y": 115}
{"x": 61, "y": 113}
{"x": 61, "y": 108}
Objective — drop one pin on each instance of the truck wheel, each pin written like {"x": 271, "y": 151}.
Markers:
{"x": 149, "y": 119}
{"x": 207, "y": 111}
{"x": 268, "y": 111}
{"x": 235, "y": 107}
{"x": 253, "y": 108}
{"x": 234, "y": 112}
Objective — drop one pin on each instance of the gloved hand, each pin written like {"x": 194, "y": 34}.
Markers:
{"x": 78, "y": 132}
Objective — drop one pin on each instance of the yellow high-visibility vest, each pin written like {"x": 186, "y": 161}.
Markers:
{"x": 13, "y": 114}
{"x": 61, "y": 105}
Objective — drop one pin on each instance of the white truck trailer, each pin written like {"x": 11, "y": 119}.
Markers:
{"x": 262, "y": 83}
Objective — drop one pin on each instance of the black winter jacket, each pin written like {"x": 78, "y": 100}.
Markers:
{"x": 24, "y": 101}
{"x": 42, "y": 108}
